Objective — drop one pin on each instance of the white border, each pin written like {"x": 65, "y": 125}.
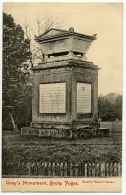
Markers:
{"x": 124, "y": 81}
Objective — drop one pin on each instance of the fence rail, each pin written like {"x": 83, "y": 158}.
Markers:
{"x": 65, "y": 169}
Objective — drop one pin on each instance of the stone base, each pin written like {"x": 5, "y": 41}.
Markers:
{"x": 65, "y": 126}
{"x": 82, "y": 133}
{"x": 46, "y": 132}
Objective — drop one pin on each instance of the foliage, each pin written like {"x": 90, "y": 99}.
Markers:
{"x": 110, "y": 107}
{"x": 16, "y": 71}
{"x": 17, "y": 76}
{"x": 33, "y": 148}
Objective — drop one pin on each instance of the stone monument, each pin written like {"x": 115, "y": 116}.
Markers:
{"x": 65, "y": 85}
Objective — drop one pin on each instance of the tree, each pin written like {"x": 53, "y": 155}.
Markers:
{"x": 110, "y": 107}
{"x": 46, "y": 24}
{"x": 118, "y": 107}
{"x": 19, "y": 54}
{"x": 16, "y": 72}
{"x": 42, "y": 26}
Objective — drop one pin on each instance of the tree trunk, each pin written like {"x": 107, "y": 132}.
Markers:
{"x": 13, "y": 122}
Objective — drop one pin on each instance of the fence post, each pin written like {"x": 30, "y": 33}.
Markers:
{"x": 111, "y": 168}
{"x": 85, "y": 169}
{"x": 82, "y": 169}
{"x": 97, "y": 169}
{"x": 32, "y": 168}
{"x": 42, "y": 168}
{"x": 22, "y": 168}
{"x": 79, "y": 170}
{"x": 106, "y": 169}
{"x": 28, "y": 168}
{"x": 76, "y": 169}
{"x": 61, "y": 169}
{"x": 119, "y": 169}
{"x": 93, "y": 169}
{"x": 68, "y": 169}
{"x": 53, "y": 169}
{"x": 115, "y": 171}
{"x": 35, "y": 169}
{"x": 46, "y": 169}
{"x": 71, "y": 169}
{"x": 58, "y": 169}
{"x": 65, "y": 169}
{"x": 89, "y": 169}
{"x": 102, "y": 169}
{"x": 49, "y": 168}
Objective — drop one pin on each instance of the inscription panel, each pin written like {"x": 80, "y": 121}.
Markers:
{"x": 52, "y": 98}
{"x": 83, "y": 97}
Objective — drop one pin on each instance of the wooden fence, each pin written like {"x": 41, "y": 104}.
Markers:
{"x": 52, "y": 169}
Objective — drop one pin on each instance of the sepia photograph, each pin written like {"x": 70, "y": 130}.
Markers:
{"x": 62, "y": 89}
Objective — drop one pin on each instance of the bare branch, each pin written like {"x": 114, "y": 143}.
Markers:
{"x": 27, "y": 29}
{"x": 42, "y": 25}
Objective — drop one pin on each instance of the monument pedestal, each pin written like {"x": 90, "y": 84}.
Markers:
{"x": 65, "y": 94}
{"x": 64, "y": 97}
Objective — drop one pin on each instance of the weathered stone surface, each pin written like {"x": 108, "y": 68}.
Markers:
{"x": 56, "y": 42}
{"x": 29, "y": 131}
{"x": 54, "y": 133}
{"x": 70, "y": 77}
{"x": 58, "y": 108}
{"x": 83, "y": 133}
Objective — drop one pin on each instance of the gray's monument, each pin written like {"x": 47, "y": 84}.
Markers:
{"x": 65, "y": 85}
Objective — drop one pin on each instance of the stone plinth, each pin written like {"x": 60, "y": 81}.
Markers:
{"x": 86, "y": 132}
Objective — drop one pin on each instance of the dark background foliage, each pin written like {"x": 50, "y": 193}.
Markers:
{"x": 16, "y": 78}
{"x": 110, "y": 107}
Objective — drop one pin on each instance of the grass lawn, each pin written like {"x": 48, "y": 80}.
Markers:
{"x": 18, "y": 147}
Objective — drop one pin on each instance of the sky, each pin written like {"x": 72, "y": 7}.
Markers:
{"x": 103, "y": 19}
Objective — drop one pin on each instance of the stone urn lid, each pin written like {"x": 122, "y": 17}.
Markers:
{"x": 57, "y": 43}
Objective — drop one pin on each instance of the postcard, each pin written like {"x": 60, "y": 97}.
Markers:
{"x": 62, "y": 97}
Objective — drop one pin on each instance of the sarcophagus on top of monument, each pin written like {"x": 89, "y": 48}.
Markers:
{"x": 57, "y": 42}
{"x": 65, "y": 84}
